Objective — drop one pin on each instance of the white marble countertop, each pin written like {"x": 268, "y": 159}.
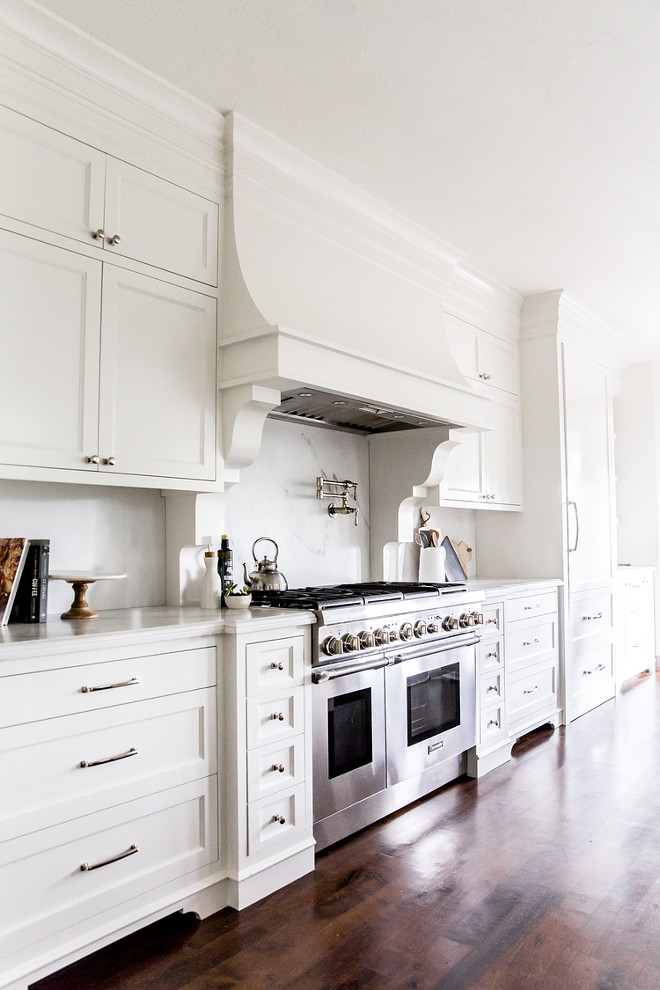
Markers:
{"x": 136, "y": 625}
{"x": 503, "y": 587}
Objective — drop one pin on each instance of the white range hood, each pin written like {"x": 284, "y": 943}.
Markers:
{"x": 327, "y": 290}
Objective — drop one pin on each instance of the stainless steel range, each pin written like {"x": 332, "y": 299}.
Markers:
{"x": 394, "y": 695}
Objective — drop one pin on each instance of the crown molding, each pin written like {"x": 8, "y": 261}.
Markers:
{"x": 483, "y": 302}
{"x": 557, "y": 313}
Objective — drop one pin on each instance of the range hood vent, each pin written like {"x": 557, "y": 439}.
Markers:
{"x": 340, "y": 412}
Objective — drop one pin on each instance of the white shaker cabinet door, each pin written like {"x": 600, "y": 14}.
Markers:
{"x": 160, "y": 223}
{"x": 589, "y": 470}
{"x": 50, "y": 180}
{"x": 49, "y": 354}
{"x": 157, "y": 406}
{"x": 504, "y": 454}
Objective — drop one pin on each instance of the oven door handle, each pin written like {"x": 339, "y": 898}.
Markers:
{"x": 429, "y": 649}
{"x": 323, "y": 675}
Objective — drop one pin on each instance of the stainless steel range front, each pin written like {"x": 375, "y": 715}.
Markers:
{"x": 394, "y": 696}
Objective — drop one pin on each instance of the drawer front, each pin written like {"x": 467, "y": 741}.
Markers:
{"x": 591, "y": 679}
{"x": 492, "y": 725}
{"x": 490, "y": 655}
{"x": 530, "y": 606}
{"x": 274, "y": 666}
{"x": 491, "y": 689}
{"x": 61, "y": 768}
{"x": 276, "y": 717}
{"x": 45, "y": 889}
{"x": 89, "y": 687}
{"x": 590, "y": 614}
{"x": 531, "y": 693}
{"x": 530, "y": 642}
{"x": 275, "y": 768}
{"x": 275, "y": 821}
{"x": 493, "y": 620}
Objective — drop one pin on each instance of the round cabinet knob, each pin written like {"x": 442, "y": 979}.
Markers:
{"x": 110, "y": 461}
{"x": 433, "y": 628}
{"x": 98, "y": 235}
{"x": 115, "y": 239}
{"x": 367, "y": 640}
{"x": 406, "y": 631}
{"x": 332, "y": 646}
{"x": 420, "y": 629}
{"x": 350, "y": 642}
{"x": 93, "y": 459}
{"x": 382, "y": 637}
{"x": 465, "y": 620}
{"x": 449, "y": 623}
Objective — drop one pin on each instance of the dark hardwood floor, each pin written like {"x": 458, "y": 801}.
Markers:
{"x": 543, "y": 875}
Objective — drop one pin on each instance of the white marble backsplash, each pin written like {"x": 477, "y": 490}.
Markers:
{"x": 276, "y": 497}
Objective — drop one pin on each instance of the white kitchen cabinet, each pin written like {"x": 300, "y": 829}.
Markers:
{"x": 110, "y": 804}
{"x": 492, "y": 747}
{"x": 63, "y": 186}
{"x": 485, "y": 470}
{"x": 488, "y": 361}
{"x": 115, "y": 379}
{"x": 270, "y": 781}
{"x": 636, "y": 622}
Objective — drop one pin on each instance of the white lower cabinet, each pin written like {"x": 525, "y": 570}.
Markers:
{"x": 636, "y": 622}
{"x": 590, "y": 650}
{"x": 518, "y": 672}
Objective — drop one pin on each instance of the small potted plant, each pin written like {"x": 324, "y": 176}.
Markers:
{"x": 236, "y": 597}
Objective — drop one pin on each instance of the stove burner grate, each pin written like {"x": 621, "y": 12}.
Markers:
{"x": 339, "y": 595}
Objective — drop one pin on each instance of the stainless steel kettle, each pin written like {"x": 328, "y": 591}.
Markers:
{"x": 266, "y": 577}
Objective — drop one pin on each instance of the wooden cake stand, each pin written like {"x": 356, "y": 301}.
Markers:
{"x": 80, "y": 580}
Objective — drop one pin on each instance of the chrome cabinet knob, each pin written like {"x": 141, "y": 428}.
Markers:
{"x": 94, "y": 459}
{"x": 115, "y": 239}
{"x": 98, "y": 235}
{"x": 110, "y": 461}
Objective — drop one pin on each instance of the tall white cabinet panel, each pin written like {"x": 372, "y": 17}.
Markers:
{"x": 50, "y": 303}
{"x": 50, "y": 180}
{"x": 157, "y": 410}
{"x": 160, "y": 223}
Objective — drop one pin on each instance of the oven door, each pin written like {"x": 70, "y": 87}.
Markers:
{"x": 431, "y": 707}
{"x": 348, "y": 737}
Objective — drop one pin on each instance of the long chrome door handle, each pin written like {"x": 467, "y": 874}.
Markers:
{"x": 577, "y": 527}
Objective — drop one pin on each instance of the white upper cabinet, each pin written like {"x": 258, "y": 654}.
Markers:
{"x": 50, "y": 306}
{"x": 50, "y": 180}
{"x": 487, "y": 361}
{"x": 64, "y": 186}
{"x": 152, "y": 220}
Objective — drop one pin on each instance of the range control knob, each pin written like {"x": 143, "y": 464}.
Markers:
{"x": 449, "y": 624}
{"x": 420, "y": 629}
{"x": 433, "y": 628}
{"x": 351, "y": 643}
{"x": 394, "y": 635}
{"x": 466, "y": 619}
{"x": 332, "y": 646}
{"x": 367, "y": 640}
{"x": 406, "y": 631}
{"x": 382, "y": 637}
{"x": 478, "y": 618}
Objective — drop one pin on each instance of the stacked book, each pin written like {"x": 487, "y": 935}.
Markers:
{"x": 23, "y": 579}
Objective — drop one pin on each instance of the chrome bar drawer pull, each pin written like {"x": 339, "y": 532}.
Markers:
{"x": 535, "y": 688}
{"x": 595, "y": 670}
{"x": 591, "y": 618}
{"x": 276, "y": 666}
{"x": 86, "y": 867}
{"x": 280, "y": 819}
{"x": 277, "y": 768}
{"x": 110, "y": 687}
{"x": 109, "y": 759}
{"x": 277, "y": 716}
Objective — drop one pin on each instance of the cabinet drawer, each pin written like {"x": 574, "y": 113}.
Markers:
{"x": 275, "y": 768}
{"x": 490, "y": 655}
{"x": 491, "y": 689}
{"x": 530, "y": 606}
{"x": 591, "y": 679}
{"x": 493, "y": 620}
{"x": 530, "y": 693}
{"x": 274, "y": 666}
{"x": 275, "y": 718}
{"x": 61, "y": 768}
{"x": 89, "y": 687}
{"x": 492, "y": 725}
{"x": 590, "y": 614}
{"x": 273, "y": 822}
{"x": 46, "y": 890}
{"x": 530, "y": 642}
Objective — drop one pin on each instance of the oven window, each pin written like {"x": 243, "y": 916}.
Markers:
{"x": 434, "y": 703}
{"x": 349, "y": 732}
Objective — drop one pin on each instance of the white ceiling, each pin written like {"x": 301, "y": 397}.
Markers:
{"x": 526, "y": 133}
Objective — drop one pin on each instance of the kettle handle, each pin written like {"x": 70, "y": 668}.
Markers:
{"x": 268, "y": 540}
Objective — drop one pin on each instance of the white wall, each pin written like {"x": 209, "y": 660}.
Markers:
{"x": 110, "y": 529}
{"x": 276, "y": 497}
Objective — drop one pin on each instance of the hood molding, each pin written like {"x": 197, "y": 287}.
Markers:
{"x": 326, "y": 287}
